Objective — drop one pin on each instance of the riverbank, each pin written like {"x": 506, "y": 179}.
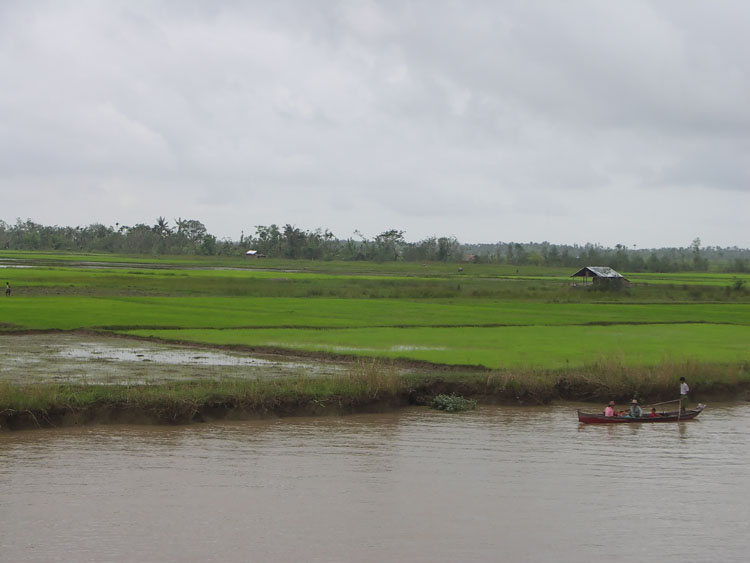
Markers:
{"x": 366, "y": 387}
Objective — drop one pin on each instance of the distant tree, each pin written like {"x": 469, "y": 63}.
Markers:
{"x": 421, "y": 251}
{"x": 517, "y": 253}
{"x": 27, "y": 235}
{"x": 189, "y": 236}
{"x": 592, "y": 254}
{"x": 193, "y": 230}
{"x": 620, "y": 259}
{"x": 388, "y": 244}
{"x": 101, "y": 238}
{"x": 740, "y": 266}
{"x": 141, "y": 239}
{"x": 162, "y": 228}
{"x": 181, "y": 224}
{"x": 499, "y": 258}
{"x": 553, "y": 256}
{"x": 656, "y": 264}
{"x": 328, "y": 244}
{"x": 207, "y": 245}
{"x": 318, "y": 245}
{"x": 700, "y": 264}
{"x": 566, "y": 259}
{"x": 448, "y": 248}
{"x": 293, "y": 241}
{"x": 268, "y": 240}
{"x": 534, "y": 258}
{"x": 637, "y": 263}
{"x": 356, "y": 249}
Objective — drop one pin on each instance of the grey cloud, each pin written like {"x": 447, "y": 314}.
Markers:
{"x": 441, "y": 116}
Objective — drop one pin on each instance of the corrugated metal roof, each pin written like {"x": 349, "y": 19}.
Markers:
{"x": 597, "y": 272}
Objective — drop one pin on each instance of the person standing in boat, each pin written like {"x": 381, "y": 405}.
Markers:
{"x": 609, "y": 410}
{"x": 635, "y": 410}
{"x": 684, "y": 390}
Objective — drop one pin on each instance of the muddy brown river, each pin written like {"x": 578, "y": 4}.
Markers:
{"x": 495, "y": 484}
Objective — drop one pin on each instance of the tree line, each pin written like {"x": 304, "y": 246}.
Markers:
{"x": 189, "y": 236}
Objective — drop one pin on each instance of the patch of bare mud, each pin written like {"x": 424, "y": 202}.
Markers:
{"x": 72, "y": 357}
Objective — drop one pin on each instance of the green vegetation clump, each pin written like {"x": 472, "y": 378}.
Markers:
{"x": 452, "y": 403}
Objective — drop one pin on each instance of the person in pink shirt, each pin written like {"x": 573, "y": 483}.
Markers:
{"x": 609, "y": 410}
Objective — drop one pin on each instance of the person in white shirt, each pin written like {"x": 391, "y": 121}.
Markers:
{"x": 684, "y": 389}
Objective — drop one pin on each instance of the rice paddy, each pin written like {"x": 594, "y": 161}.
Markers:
{"x": 526, "y": 324}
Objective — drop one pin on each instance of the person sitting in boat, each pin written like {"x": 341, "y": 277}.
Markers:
{"x": 609, "y": 410}
{"x": 653, "y": 414}
{"x": 635, "y": 411}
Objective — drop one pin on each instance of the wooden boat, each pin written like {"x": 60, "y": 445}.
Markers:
{"x": 669, "y": 416}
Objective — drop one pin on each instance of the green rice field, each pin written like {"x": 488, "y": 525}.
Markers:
{"x": 519, "y": 347}
{"x": 489, "y": 316}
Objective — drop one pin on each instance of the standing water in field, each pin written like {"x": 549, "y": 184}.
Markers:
{"x": 101, "y": 359}
{"x": 495, "y": 484}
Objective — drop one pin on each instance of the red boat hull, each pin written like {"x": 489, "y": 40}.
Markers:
{"x": 671, "y": 416}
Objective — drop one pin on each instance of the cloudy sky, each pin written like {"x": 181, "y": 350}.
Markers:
{"x": 572, "y": 122}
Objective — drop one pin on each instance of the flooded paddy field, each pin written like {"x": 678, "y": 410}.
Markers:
{"x": 81, "y": 357}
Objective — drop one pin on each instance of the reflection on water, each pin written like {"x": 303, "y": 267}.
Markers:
{"x": 496, "y": 484}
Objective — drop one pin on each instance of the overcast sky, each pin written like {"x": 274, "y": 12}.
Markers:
{"x": 572, "y": 122}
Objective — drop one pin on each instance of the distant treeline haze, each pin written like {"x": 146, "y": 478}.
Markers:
{"x": 189, "y": 236}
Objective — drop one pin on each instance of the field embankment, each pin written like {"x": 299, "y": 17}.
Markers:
{"x": 367, "y": 387}
{"x": 488, "y": 331}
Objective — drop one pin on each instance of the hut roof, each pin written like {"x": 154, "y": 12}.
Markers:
{"x": 597, "y": 272}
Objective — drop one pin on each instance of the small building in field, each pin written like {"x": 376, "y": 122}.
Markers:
{"x": 254, "y": 254}
{"x": 602, "y": 276}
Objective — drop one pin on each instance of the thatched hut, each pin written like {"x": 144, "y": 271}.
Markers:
{"x": 602, "y": 276}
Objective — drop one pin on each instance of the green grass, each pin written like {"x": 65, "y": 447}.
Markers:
{"x": 78, "y": 312}
{"x": 488, "y": 315}
{"x": 691, "y": 278}
{"x": 427, "y": 269}
{"x": 368, "y": 385}
{"x": 536, "y": 336}
{"x": 51, "y": 270}
{"x": 365, "y": 381}
{"x": 522, "y": 347}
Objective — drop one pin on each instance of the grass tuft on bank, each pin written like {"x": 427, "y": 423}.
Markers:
{"x": 369, "y": 386}
{"x": 452, "y": 403}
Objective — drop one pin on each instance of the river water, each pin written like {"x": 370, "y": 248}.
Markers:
{"x": 495, "y": 484}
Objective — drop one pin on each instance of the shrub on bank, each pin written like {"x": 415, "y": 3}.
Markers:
{"x": 452, "y": 403}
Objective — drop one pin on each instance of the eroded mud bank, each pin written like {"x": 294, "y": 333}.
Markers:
{"x": 171, "y": 410}
{"x": 68, "y": 379}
